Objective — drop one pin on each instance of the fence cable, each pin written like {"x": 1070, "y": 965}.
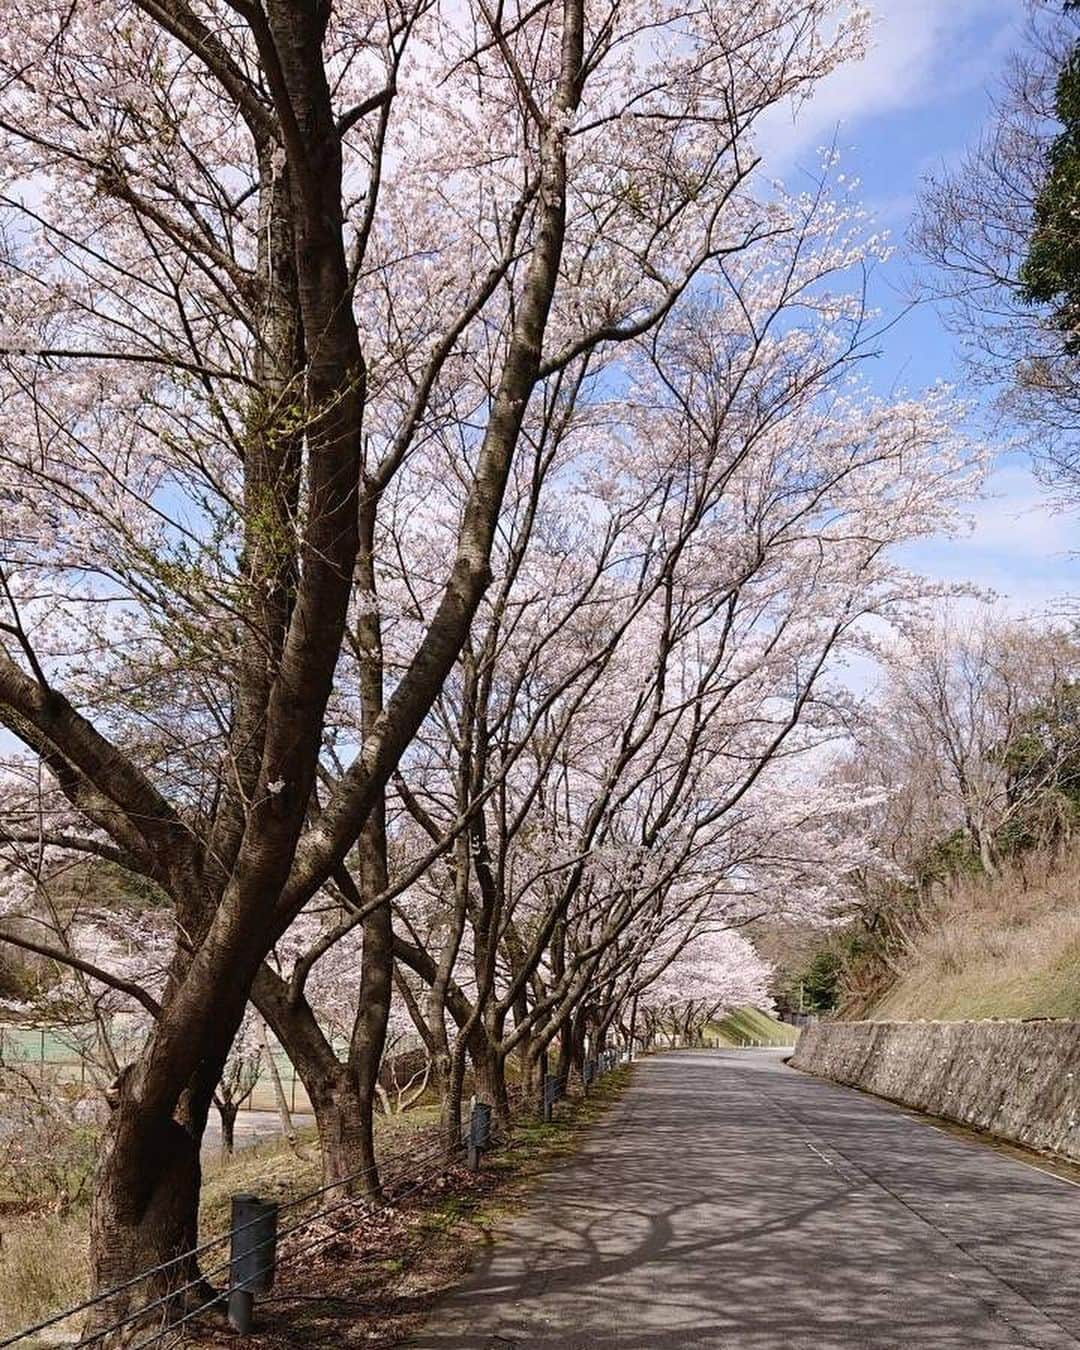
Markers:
{"x": 191, "y": 1254}
{"x": 500, "y": 1136}
{"x": 368, "y": 1212}
{"x": 204, "y": 1276}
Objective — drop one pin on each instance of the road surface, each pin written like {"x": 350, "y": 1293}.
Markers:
{"x": 252, "y": 1127}
{"x": 730, "y": 1201}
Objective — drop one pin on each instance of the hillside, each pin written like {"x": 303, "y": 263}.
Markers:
{"x": 750, "y": 1026}
{"x": 1003, "y": 948}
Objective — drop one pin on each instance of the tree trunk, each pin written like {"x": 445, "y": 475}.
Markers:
{"x": 566, "y": 1054}
{"x": 368, "y": 1040}
{"x": 340, "y": 1118}
{"x": 535, "y": 1071}
{"x": 144, "y": 1214}
{"x": 328, "y": 1083}
{"x": 489, "y": 1065}
{"x": 145, "y": 1210}
{"x": 288, "y": 1129}
{"x": 227, "y": 1113}
{"x": 987, "y": 853}
{"x": 577, "y": 1042}
{"x": 450, "y": 1122}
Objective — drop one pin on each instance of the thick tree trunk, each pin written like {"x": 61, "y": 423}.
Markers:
{"x": 340, "y": 1118}
{"x": 489, "y": 1066}
{"x": 144, "y": 1215}
{"x": 145, "y": 1212}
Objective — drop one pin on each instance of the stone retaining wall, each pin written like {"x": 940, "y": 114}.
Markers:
{"x": 1017, "y": 1080}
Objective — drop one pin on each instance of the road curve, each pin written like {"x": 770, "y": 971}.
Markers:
{"x": 729, "y": 1201}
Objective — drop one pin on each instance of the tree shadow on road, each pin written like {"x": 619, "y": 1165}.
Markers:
{"x": 733, "y": 1202}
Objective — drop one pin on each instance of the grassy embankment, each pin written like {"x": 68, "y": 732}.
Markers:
{"x": 1007, "y": 947}
{"x": 750, "y": 1026}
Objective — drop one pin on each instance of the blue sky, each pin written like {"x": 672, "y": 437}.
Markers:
{"x": 917, "y": 100}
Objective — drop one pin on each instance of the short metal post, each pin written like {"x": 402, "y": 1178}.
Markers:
{"x": 241, "y": 1310}
{"x": 252, "y": 1256}
{"x": 479, "y": 1133}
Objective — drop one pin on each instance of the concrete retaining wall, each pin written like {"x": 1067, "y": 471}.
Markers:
{"x": 1018, "y": 1080}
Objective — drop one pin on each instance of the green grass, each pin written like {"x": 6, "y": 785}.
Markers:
{"x": 751, "y": 1026}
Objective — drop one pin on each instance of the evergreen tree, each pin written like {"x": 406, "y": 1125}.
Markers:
{"x": 1050, "y": 274}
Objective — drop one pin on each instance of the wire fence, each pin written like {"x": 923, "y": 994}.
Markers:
{"x": 64, "y": 1055}
{"x": 57, "y": 1055}
{"x": 313, "y": 1220}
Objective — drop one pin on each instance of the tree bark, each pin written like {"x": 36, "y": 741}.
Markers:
{"x": 328, "y": 1083}
{"x": 144, "y": 1211}
{"x": 368, "y": 1039}
{"x": 343, "y": 1130}
{"x": 489, "y": 1066}
{"x": 227, "y": 1113}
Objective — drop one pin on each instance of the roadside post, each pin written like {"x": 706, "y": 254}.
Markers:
{"x": 252, "y": 1257}
{"x": 551, "y": 1094}
{"x": 479, "y": 1133}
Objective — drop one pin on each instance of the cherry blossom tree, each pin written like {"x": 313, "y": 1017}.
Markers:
{"x": 257, "y": 258}
{"x": 972, "y": 734}
{"x": 572, "y": 646}
{"x": 718, "y": 972}
{"x": 627, "y": 765}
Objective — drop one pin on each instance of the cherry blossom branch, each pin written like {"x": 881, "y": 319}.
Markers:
{"x": 66, "y": 958}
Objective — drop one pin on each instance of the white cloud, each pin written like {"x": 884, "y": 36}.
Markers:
{"x": 920, "y": 51}
{"x": 1020, "y": 548}
{"x": 1017, "y": 519}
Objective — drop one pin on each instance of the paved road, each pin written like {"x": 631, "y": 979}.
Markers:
{"x": 252, "y": 1127}
{"x": 732, "y": 1202}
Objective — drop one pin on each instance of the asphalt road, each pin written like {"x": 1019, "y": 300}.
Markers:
{"x": 730, "y": 1201}
{"x": 252, "y": 1127}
